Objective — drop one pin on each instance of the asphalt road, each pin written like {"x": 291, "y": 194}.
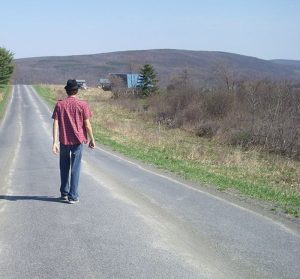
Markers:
{"x": 131, "y": 222}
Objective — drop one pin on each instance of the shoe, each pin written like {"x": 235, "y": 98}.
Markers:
{"x": 73, "y": 201}
{"x": 64, "y": 197}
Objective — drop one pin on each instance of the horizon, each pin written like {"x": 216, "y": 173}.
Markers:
{"x": 158, "y": 49}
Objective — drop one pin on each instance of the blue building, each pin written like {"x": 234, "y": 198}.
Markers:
{"x": 130, "y": 80}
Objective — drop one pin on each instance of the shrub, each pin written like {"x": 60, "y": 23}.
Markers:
{"x": 253, "y": 113}
{"x": 241, "y": 138}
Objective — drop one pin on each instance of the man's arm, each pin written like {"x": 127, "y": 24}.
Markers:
{"x": 55, "y": 147}
{"x": 89, "y": 130}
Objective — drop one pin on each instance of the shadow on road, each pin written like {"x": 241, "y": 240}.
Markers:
{"x": 34, "y": 198}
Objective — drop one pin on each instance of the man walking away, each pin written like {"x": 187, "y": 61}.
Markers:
{"x": 71, "y": 121}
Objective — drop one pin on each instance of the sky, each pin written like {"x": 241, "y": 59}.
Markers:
{"x": 266, "y": 29}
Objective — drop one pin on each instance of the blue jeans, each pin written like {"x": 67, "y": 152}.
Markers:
{"x": 70, "y": 157}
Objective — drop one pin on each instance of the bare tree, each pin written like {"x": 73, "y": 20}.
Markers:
{"x": 225, "y": 76}
{"x": 118, "y": 86}
{"x": 180, "y": 81}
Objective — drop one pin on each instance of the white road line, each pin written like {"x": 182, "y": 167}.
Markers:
{"x": 18, "y": 145}
{"x": 37, "y": 110}
{"x": 41, "y": 101}
{"x": 282, "y": 226}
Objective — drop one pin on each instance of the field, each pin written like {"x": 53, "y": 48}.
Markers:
{"x": 273, "y": 180}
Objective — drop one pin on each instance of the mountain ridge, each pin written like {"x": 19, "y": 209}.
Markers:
{"x": 200, "y": 65}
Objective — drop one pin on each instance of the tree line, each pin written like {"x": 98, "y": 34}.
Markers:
{"x": 6, "y": 66}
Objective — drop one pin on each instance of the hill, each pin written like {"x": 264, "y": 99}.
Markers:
{"x": 201, "y": 66}
{"x": 294, "y": 63}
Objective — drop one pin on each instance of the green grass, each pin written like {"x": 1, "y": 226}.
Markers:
{"x": 202, "y": 173}
{"x": 47, "y": 94}
{"x": 5, "y": 92}
{"x": 256, "y": 175}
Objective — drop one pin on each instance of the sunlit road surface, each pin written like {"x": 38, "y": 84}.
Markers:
{"x": 131, "y": 222}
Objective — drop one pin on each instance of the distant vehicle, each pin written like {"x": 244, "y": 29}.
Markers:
{"x": 105, "y": 84}
{"x": 81, "y": 84}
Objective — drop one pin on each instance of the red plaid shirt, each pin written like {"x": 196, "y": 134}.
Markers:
{"x": 71, "y": 113}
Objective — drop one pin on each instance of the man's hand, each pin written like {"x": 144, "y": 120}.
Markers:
{"x": 55, "y": 149}
{"x": 92, "y": 144}
{"x": 89, "y": 130}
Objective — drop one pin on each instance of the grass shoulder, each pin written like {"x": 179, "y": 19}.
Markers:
{"x": 47, "y": 93}
{"x": 5, "y": 93}
{"x": 266, "y": 177}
